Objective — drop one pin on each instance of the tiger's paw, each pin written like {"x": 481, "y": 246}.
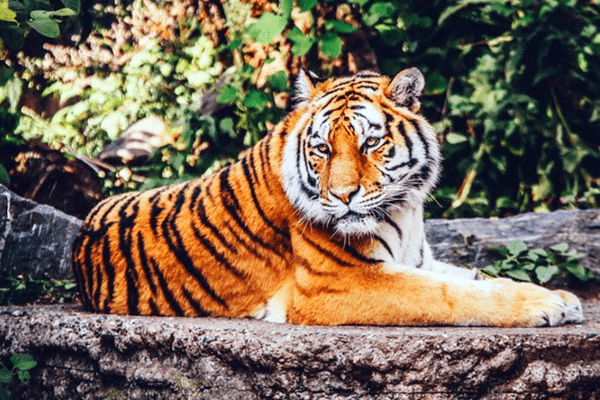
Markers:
{"x": 538, "y": 306}
{"x": 571, "y": 309}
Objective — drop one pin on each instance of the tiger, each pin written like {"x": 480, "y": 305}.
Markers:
{"x": 320, "y": 223}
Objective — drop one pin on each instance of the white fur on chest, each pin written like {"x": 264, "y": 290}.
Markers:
{"x": 400, "y": 240}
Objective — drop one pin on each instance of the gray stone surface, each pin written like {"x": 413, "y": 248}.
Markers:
{"x": 90, "y": 356}
{"x": 35, "y": 239}
{"x": 461, "y": 241}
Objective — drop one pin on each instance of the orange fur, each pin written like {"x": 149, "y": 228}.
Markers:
{"x": 319, "y": 223}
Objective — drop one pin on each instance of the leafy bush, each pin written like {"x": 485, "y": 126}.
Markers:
{"x": 25, "y": 289}
{"x": 538, "y": 265}
{"x": 21, "y": 365}
{"x": 512, "y": 87}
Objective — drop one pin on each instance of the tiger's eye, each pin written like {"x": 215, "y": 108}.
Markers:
{"x": 323, "y": 148}
{"x": 372, "y": 142}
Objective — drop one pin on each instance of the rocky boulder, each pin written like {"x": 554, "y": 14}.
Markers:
{"x": 35, "y": 239}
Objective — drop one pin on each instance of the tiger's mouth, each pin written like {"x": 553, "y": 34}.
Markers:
{"x": 353, "y": 223}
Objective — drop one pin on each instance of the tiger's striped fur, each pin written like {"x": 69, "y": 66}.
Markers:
{"x": 320, "y": 223}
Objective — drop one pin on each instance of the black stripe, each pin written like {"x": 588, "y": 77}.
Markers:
{"x": 153, "y": 308}
{"x": 201, "y": 213}
{"x": 264, "y": 151}
{"x": 98, "y": 287}
{"x": 397, "y": 166}
{"x": 156, "y": 209}
{"x": 232, "y": 205}
{"x": 154, "y": 213}
{"x": 248, "y": 247}
{"x": 109, "y": 269}
{"x": 421, "y": 136}
{"x": 171, "y": 233}
{"x": 367, "y": 74}
{"x": 252, "y": 164}
{"x": 157, "y": 195}
{"x": 200, "y": 312}
{"x": 407, "y": 140}
{"x": 385, "y": 244}
{"x": 87, "y": 288}
{"x": 220, "y": 257}
{"x": 125, "y": 242}
{"x": 164, "y": 287}
{"x": 328, "y": 254}
{"x": 89, "y": 283}
{"x": 419, "y": 179}
{"x": 278, "y": 230}
{"x": 76, "y": 266}
{"x": 352, "y": 251}
{"x": 421, "y": 254}
{"x": 312, "y": 292}
{"x": 332, "y": 110}
{"x": 394, "y": 225}
{"x": 194, "y": 198}
{"x": 144, "y": 263}
{"x": 133, "y": 294}
{"x": 306, "y": 265}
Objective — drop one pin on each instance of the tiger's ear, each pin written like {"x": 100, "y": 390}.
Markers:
{"x": 406, "y": 88}
{"x": 305, "y": 84}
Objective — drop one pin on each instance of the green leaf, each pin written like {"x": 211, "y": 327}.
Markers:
{"x": 5, "y": 375}
{"x": 527, "y": 266}
{"x": 339, "y": 26}
{"x": 74, "y": 5}
{"x": 379, "y": 10}
{"x": 535, "y": 253}
{"x": 63, "y": 12}
{"x": 491, "y": 270}
{"x": 42, "y": 14}
{"x": 306, "y": 5}
{"x": 13, "y": 36}
{"x": 234, "y": 44}
{"x": 227, "y": 95}
{"x": 278, "y": 81}
{"x": 516, "y": 247}
{"x": 391, "y": 35}
{"x": 256, "y": 99}
{"x": 560, "y": 248}
{"x": 544, "y": 274}
{"x": 331, "y": 45}
{"x": 361, "y": 3}
{"x": 6, "y": 14}
{"x": 302, "y": 43}
{"x": 456, "y": 138}
{"x": 23, "y": 375}
{"x": 578, "y": 271}
{"x": 4, "y": 177}
{"x": 285, "y": 7}
{"x": 518, "y": 274}
{"x": 23, "y": 362}
{"x": 436, "y": 84}
{"x": 226, "y": 126}
{"x": 267, "y": 28}
{"x": 45, "y": 26}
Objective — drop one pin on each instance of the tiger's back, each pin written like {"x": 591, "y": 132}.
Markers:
{"x": 211, "y": 246}
{"x": 320, "y": 223}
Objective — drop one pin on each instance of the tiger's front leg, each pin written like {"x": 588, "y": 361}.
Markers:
{"x": 369, "y": 295}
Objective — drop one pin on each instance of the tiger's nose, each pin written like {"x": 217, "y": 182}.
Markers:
{"x": 345, "y": 194}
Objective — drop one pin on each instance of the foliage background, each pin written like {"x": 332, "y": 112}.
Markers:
{"x": 513, "y": 87}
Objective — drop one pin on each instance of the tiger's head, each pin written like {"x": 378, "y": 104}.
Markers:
{"x": 358, "y": 149}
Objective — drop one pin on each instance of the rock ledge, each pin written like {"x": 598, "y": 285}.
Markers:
{"x": 91, "y": 356}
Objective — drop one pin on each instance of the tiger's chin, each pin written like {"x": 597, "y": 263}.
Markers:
{"x": 353, "y": 225}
